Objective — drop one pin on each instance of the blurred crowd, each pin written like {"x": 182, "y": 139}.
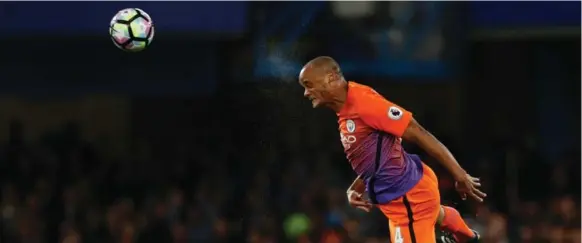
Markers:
{"x": 272, "y": 174}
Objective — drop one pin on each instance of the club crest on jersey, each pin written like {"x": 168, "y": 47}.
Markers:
{"x": 350, "y": 126}
{"x": 395, "y": 113}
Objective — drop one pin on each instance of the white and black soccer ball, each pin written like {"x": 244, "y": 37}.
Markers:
{"x": 131, "y": 29}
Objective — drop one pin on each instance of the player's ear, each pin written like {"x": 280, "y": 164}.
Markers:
{"x": 327, "y": 80}
{"x": 332, "y": 78}
{"x": 336, "y": 76}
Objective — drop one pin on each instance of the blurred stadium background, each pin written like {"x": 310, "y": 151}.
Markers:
{"x": 205, "y": 136}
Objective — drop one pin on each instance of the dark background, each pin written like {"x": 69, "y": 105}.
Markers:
{"x": 205, "y": 136}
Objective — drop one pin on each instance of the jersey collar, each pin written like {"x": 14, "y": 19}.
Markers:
{"x": 351, "y": 87}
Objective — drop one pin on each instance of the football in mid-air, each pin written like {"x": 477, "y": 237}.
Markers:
{"x": 131, "y": 29}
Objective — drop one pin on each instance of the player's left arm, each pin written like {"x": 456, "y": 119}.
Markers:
{"x": 465, "y": 184}
{"x": 415, "y": 133}
{"x": 386, "y": 116}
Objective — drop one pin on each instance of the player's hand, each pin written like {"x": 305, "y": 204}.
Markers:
{"x": 357, "y": 201}
{"x": 468, "y": 186}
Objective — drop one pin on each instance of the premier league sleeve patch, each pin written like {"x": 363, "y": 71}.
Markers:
{"x": 395, "y": 113}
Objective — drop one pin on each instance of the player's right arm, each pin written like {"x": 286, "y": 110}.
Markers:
{"x": 357, "y": 186}
{"x": 355, "y": 192}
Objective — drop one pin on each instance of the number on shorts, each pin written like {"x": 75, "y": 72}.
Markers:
{"x": 398, "y": 235}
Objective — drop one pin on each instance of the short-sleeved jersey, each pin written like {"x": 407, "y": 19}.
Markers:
{"x": 371, "y": 128}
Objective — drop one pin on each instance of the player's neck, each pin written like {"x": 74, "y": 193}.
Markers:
{"x": 340, "y": 97}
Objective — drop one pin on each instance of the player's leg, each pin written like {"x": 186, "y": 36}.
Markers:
{"x": 451, "y": 221}
{"x": 415, "y": 232}
{"x": 414, "y": 215}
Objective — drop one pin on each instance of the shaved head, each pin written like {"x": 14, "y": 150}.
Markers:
{"x": 323, "y": 64}
{"x": 323, "y": 81}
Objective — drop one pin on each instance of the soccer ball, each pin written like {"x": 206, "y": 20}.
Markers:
{"x": 131, "y": 29}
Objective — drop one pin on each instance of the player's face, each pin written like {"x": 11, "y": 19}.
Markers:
{"x": 316, "y": 87}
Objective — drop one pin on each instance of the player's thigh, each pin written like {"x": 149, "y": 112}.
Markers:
{"x": 424, "y": 200}
{"x": 417, "y": 232}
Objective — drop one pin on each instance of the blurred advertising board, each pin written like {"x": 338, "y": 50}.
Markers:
{"x": 73, "y": 18}
{"x": 524, "y": 14}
